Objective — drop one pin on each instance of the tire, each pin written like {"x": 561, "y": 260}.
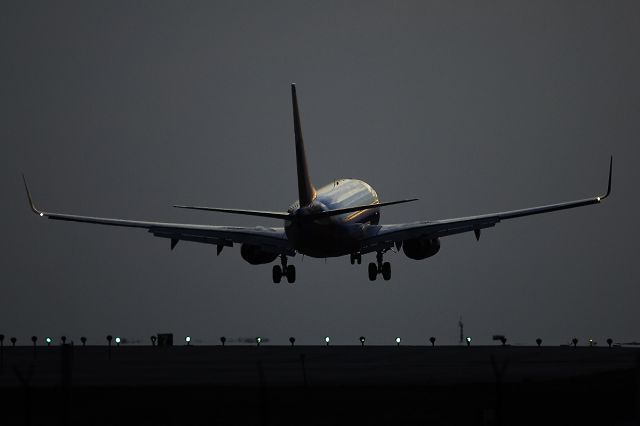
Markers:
{"x": 353, "y": 260}
{"x": 291, "y": 274}
{"x": 373, "y": 271}
{"x": 277, "y": 273}
{"x": 386, "y": 271}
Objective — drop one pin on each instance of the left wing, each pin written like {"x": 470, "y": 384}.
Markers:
{"x": 386, "y": 236}
{"x": 269, "y": 239}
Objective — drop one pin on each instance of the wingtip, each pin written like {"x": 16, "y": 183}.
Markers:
{"x": 31, "y": 203}
{"x": 610, "y": 172}
{"x": 602, "y": 197}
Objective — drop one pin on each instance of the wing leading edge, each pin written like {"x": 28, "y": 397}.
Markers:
{"x": 270, "y": 239}
{"x": 385, "y": 236}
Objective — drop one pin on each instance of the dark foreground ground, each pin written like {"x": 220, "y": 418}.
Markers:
{"x": 276, "y": 385}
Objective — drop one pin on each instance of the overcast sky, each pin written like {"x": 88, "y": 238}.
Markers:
{"x": 122, "y": 109}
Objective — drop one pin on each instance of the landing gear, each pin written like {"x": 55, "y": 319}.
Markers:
{"x": 379, "y": 268}
{"x": 386, "y": 271}
{"x": 356, "y": 258}
{"x": 373, "y": 271}
{"x": 284, "y": 271}
{"x": 291, "y": 274}
{"x": 277, "y": 273}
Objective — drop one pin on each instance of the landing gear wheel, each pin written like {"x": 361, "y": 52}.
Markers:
{"x": 386, "y": 271}
{"x": 291, "y": 274}
{"x": 277, "y": 273}
{"x": 373, "y": 271}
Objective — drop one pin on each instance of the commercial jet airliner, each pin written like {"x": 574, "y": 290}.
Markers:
{"x": 338, "y": 219}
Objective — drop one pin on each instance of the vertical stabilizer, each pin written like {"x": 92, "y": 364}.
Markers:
{"x": 306, "y": 191}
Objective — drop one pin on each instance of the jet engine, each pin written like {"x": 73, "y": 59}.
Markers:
{"x": 421, "y": 248}
{"x": 256, "y": 255}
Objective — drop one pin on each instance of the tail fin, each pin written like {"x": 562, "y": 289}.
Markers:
{"x": 306, "y": 191}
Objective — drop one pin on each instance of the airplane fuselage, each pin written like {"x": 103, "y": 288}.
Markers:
{"x": 335, "y": 235}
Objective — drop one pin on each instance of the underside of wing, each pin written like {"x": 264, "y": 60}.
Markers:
{"x": 268, "y": 238}
{"x": 386, "y": 236}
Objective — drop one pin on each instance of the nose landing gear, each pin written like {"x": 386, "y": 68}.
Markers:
{"x": 284, "y": 271}
{"x": 383, "y": 268}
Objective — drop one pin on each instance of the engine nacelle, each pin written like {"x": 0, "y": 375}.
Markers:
{"x": 421, "y": 248}
{"x": 255, "y": 255}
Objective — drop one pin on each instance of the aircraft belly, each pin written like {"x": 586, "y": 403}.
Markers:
{"x": 325, "y": 240}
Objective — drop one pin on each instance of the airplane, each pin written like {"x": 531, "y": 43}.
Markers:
{"x": 338, "y": 219}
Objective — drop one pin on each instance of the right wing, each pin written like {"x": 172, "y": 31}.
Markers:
{"x": 269, "y": 239}
{"x": 382, "y": 237}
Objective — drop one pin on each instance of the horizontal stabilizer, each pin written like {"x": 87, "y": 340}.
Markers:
{"x": 360, "y": 208}
{"x": 273, "y": 215}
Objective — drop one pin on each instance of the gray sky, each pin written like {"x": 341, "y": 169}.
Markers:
{"x": 123, "y": 108}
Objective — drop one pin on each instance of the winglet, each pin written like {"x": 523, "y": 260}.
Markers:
{"x": 609, "y": 185}
{"x": 31, "y": 204}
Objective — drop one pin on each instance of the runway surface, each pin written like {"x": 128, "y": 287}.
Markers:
{"x": 332, "y": 365}
{"x": 319, "y": 385}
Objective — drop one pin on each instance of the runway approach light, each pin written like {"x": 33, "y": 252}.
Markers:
{"x": 362, "y": 339}
{"x": 292, "y": 340}
{"x": 118, "y": 341}
{"x": 398, "y": 341}
{"x": 188, "y": 340}
{"x": 258, "y": 340}
{"x": 327, "y": 340}
{"x": 223, "y": 340}
{"x": 48, "y": 340}
{"x": 468, "y": 341}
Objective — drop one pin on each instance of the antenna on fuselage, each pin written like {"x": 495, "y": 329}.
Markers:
{"x": 306, "y": 190}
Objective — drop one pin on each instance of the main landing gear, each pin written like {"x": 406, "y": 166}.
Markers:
{"x": 284, "y": 271}
{"x": 356, "y": 258}
{"x": 379, "y": 268}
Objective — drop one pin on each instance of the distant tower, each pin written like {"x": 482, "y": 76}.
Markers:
{"x": 461, "y": 326}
